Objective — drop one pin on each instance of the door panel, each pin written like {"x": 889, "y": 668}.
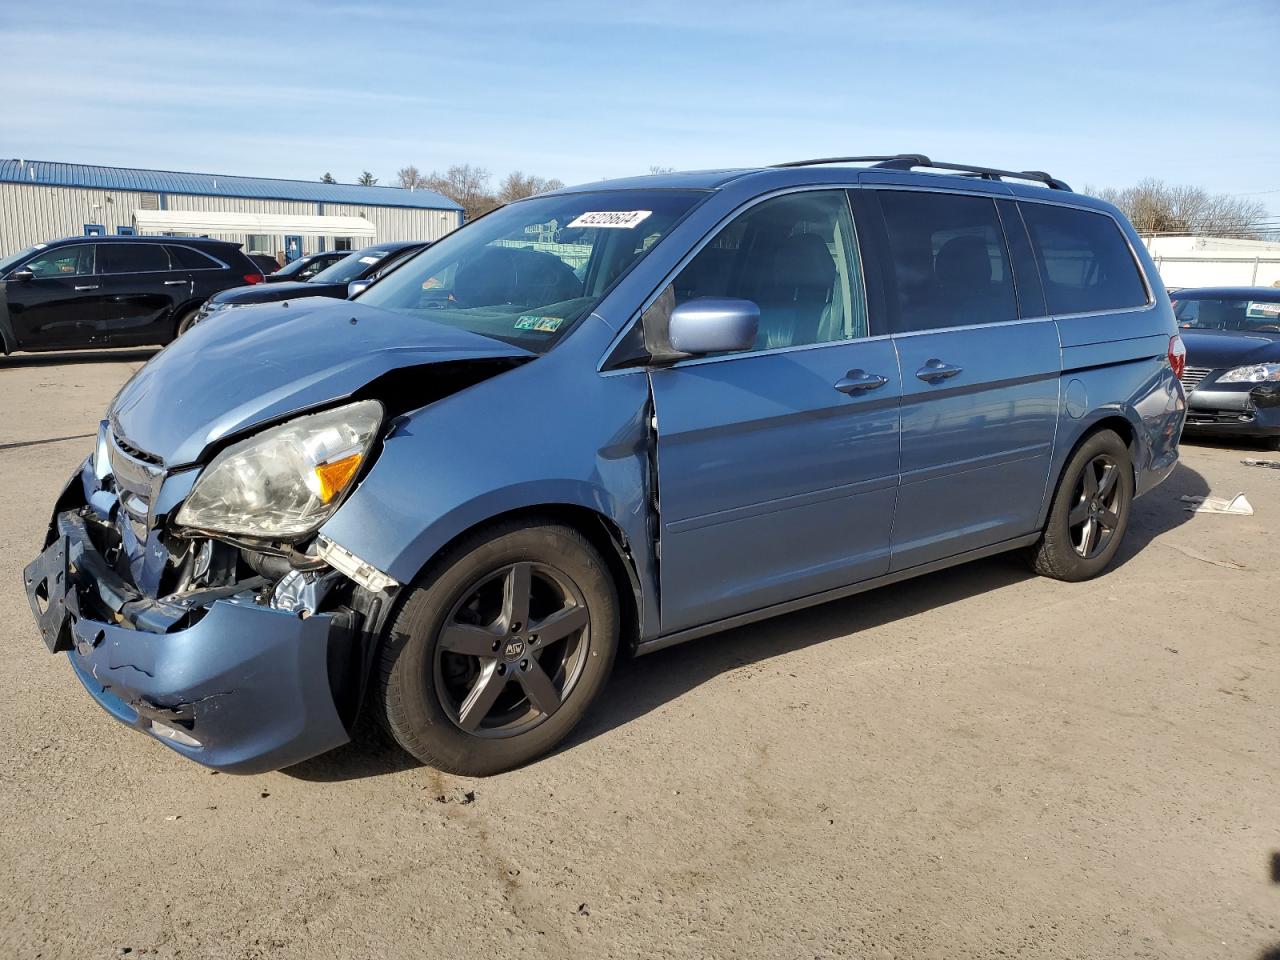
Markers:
{"x": 979, "y": 385}
{"x": 976, "y": 446}
{"x": 773, "y": 484}
{"x": 140, "y": 292}
{"x": 61, "y": 306}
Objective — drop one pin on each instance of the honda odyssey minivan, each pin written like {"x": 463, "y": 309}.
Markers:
{"x": 602, "y": 421}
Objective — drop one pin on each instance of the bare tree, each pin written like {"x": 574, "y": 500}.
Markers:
{"x": 409, "y": 177}
{"x": 367, "y": 179}
{"x": 1155, "y": 207}
{"x": 328, "y": 178}
{"x": 517, "y": 186}
{"x": 465, "y": 185}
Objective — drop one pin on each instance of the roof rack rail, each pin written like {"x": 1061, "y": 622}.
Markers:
{"x": 910, "y": 161}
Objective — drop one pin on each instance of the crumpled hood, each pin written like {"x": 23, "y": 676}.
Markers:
{"x": 262, "y": 363}
{"x": 1216, "y": 349}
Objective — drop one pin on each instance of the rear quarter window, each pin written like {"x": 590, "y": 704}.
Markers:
{"x": 186, "y": 258}
{"x": 1084, "y": 259}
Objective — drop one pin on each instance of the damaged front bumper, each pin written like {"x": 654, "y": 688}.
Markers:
{"x": 221, "y": 678}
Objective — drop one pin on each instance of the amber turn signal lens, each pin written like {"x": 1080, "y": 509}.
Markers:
{"x": 335, "y": 475}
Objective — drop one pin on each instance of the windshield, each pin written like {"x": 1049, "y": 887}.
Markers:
{"x": 303, "y": 265}
{"x": 8, "y": 263}
{"x": 1257, "y": 316}
{"x": 352, "y": 267}
{"x": 528, "y": 272}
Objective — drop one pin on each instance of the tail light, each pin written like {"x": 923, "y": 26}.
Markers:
{"x": 252, "y": 278}
{"x": 1177, "y": 356}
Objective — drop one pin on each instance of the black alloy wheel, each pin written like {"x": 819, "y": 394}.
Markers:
{"x": 512, "y": 650}
{"x": 499, "y": 648}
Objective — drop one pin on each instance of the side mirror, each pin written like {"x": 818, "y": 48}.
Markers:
{"x": 21, "y": 276}
{"x": 714, "y": 325}
{"x": 357, "y": 286}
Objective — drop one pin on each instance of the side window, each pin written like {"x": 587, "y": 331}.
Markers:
{"x": 1084, "y": 259}
{"x": 949, "y": 259}
{"x": 72, "y": 261}
{"x": 184, "y": 258}
{"x": 132, "y": 258}
{"x": 796, "y": 257}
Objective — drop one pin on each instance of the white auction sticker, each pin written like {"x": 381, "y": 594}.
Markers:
{"x": 612, "y": 219}
{"x": 370, "y": 260}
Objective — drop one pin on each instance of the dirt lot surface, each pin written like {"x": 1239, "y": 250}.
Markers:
{"x": 975, "y": 764}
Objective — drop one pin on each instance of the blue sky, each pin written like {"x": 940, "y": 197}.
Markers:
{"x": 584, "y": 90}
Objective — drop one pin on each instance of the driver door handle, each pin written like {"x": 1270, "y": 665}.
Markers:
{"x": 87, "y": 286}
{"x": 935, "y": 371}
{"x": 176, "y": 283}
{"x": 859, "y": 381}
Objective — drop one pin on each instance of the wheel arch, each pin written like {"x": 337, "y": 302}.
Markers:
{"x": 1117, "y": 422}
{"x": 599, "y": 529}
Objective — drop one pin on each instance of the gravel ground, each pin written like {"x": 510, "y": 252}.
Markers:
{"x": 978, "y": 763}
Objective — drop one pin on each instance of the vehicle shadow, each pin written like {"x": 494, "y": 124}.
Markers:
{"x": 54, "y": 359}
{"x": 647, "y": 683}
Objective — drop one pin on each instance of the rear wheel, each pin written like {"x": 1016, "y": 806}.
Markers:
{"x": 185, "y": 324}
{"x": 498, "y": 653}
{"x": 1090, "y": 511}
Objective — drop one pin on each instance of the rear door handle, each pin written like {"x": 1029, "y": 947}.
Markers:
{"x": 176, "y": 283}
{"x": 87, "y": 286}
{"x": 935, "y": 371}
{"x": 858, "y": 381}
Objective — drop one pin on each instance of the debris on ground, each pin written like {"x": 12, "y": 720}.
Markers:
{"x": 1238, "y": 504}
{"x": 1273, "y": 464}
{"x": 458, "y": 796}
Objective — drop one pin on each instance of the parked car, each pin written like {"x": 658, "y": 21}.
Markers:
{"x": 306, "y": 267}
{"x": 1232, "y": 377}
{"x": 112, "y": 291}
{"x": 334, "y": 281}
{"x": 457, "y": 497}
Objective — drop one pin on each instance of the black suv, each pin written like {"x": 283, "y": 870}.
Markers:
{"x": 333, "y": 281}
{"x": 112, "y": 291}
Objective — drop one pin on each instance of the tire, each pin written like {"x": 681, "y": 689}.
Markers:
{"x": 464, "y": 674}
{"x": 184, "y": 324}
{"x": 1059, "y": 553}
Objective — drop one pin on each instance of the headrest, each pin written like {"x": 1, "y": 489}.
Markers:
{"x": 963, "y": 261}
{"x": 803, "y": 260}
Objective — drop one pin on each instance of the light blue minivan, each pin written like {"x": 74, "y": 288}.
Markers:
{"x": 604, "y": 420}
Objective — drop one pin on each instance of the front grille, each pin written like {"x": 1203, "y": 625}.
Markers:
{"x": 1197, "y": 416}
{"x": 137, "y": 477}
{"x": 1191, "y": 377}
{"x": 134, "y": 452}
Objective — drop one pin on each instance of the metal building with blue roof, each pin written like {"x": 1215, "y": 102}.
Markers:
{"x": 42, "y": 200}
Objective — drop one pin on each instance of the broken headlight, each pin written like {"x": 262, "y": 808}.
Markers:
{"x": 283, "y": 483}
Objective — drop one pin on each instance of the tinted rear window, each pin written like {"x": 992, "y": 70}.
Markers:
{"x": 188, "y": 259}
{"x": 132, "y": 258}
{"x": 1084, "y": 260}
{"x": 950, "y": 262}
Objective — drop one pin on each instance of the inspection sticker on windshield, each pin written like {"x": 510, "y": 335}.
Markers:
{"x": 370, "y": 259}
{"x": 539, "y": 324}
{"x": 612, "y": 219}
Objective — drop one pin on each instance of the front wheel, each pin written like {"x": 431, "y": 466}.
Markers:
{"x": 498, "y": 652}
{"x": 1090, "y": 511}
